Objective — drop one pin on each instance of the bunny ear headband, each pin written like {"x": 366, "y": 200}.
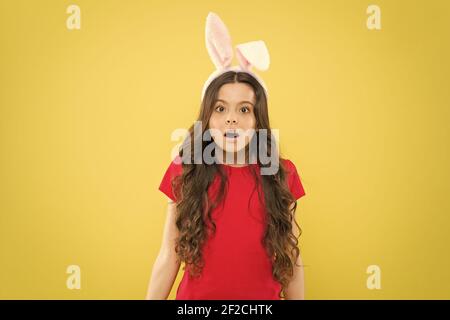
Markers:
{"x": 249, "y": 54}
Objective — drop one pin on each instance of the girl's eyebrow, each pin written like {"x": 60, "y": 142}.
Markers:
{"x": 243, "y": 101}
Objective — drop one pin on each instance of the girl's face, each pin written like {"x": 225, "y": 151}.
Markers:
{"x": 233, "y": 112}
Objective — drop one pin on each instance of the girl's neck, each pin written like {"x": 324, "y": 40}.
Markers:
{"x": 235, "y": 165}
{"x": 234, "y": 162}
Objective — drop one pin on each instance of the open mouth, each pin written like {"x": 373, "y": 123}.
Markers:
{"x": 231, "y": 134}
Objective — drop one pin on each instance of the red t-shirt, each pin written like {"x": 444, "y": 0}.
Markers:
{"x": 237, "y": 266}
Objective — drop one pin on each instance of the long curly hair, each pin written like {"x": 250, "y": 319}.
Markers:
{"x": 194, "y": 208}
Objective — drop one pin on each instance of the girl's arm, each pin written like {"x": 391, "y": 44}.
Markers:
{"x": 296, "y": 288}
{"x": 166, "y": 266}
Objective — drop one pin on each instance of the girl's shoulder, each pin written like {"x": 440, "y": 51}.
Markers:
{"x": 174, "y": 169}
{"x": 293, "y": 178}
{"x": 288, "y": 165}
{"x": 175, "y": 166}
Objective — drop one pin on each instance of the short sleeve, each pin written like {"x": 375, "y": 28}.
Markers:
{"x": 175, "y": 169}
{"x": 294, "y": 181}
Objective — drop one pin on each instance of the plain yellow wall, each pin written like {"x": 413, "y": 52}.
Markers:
{"x": 86, "y": 118}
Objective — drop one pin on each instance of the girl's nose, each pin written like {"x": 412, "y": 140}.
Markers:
{"x": 233, "y": 121}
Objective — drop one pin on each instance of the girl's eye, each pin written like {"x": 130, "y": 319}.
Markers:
{"x": 246, "y": 109}
{"x": 219, "y": 108}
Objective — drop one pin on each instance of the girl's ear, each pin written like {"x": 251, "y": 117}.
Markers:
{"x": 218, "y": 41}
{"x": 253, "y": 54}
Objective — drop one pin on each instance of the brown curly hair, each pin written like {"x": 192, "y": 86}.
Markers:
{"x": 194, "y": 208}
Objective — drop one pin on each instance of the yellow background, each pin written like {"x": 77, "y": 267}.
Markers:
{"x": 86, "y": 117}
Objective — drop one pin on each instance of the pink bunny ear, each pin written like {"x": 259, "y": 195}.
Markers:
{"x": 218, "y": 41}
{"x": 253, "y": 54}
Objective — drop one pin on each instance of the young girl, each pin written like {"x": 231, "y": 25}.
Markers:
{"x": 232, "y": 225}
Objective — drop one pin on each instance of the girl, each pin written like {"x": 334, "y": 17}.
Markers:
{"x": 233, "y": 226}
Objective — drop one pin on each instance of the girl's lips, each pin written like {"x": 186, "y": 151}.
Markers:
{"x": 231, "y": 137}
{"x": 231, "y": 134}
